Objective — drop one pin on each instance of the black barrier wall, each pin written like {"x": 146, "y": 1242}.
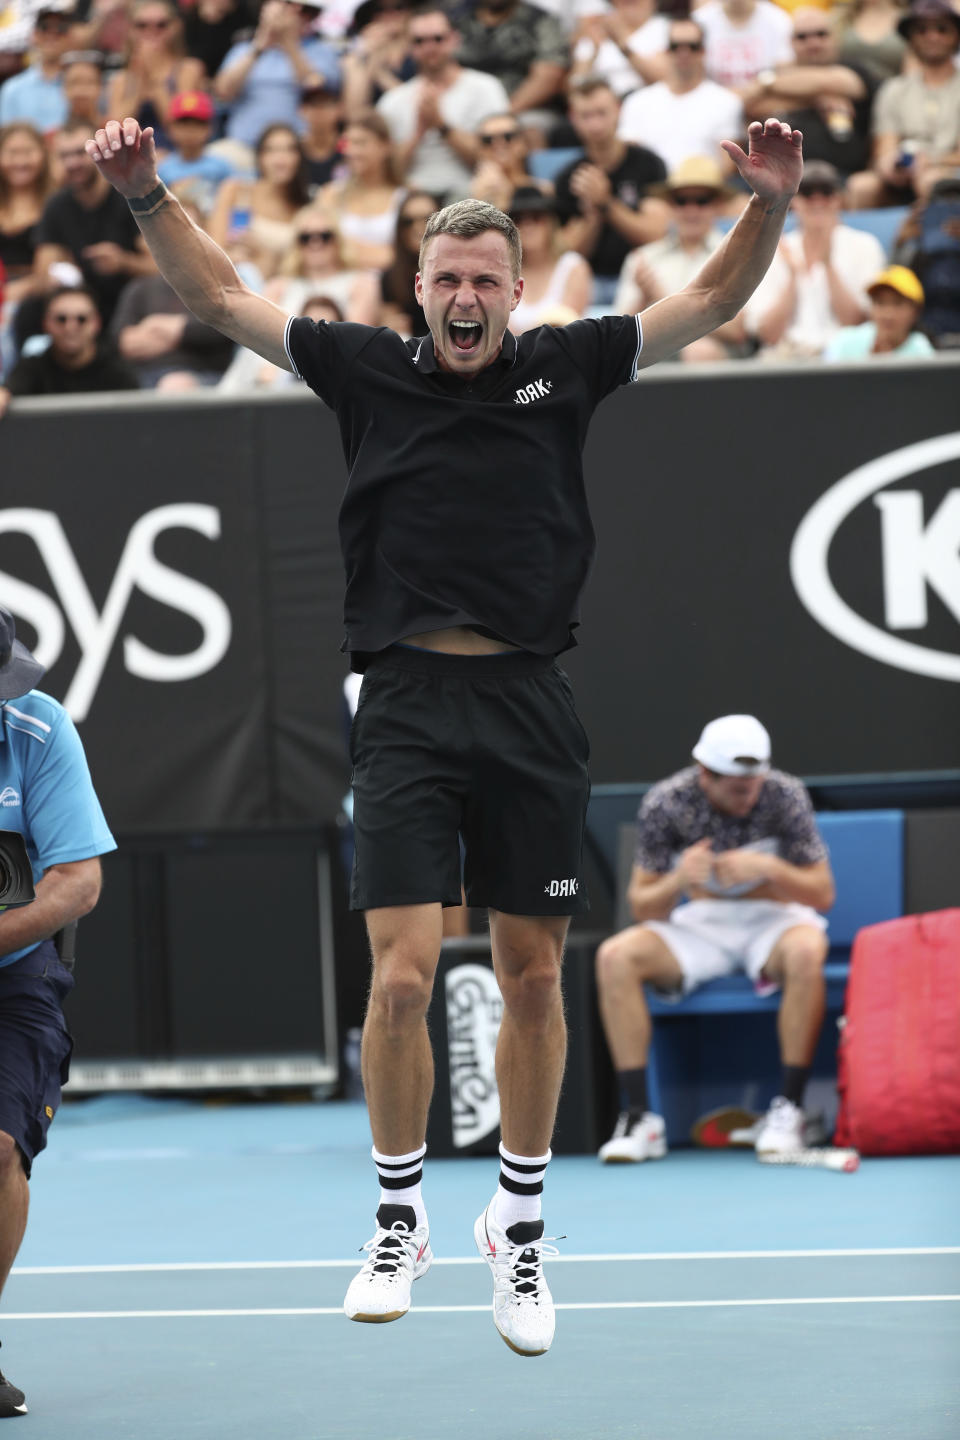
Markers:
{"x": 777, "y": 541}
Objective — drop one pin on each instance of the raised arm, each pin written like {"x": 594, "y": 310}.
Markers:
{"x": 196, "y": 267}
{"x": 772, "y": 169}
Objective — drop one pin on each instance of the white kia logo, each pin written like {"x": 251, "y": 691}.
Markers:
{"x": 916, "y": 558}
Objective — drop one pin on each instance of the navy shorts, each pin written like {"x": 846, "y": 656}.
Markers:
{"x": 35, "y": 1046}
{"x": 483, "y": 747}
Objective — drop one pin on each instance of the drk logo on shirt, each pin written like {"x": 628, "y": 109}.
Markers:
{"x": 534, "y": 391}
{"x": 561, "y": 887}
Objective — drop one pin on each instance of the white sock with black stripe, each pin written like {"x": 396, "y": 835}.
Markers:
{"x": 520, "y": 1188}
{"x": 400, "y": 1179}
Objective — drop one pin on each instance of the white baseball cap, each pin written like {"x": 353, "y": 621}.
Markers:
{"x": 734, "y": 745}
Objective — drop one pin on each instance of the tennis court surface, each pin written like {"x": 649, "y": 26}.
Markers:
{"x": 185, "y": 1264}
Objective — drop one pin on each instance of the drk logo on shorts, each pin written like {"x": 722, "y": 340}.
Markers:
{"x": 561, "y": 887}
{"x": 534, "y": 391}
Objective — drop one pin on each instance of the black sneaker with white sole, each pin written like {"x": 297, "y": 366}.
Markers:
{"x": 12, "y": 1400}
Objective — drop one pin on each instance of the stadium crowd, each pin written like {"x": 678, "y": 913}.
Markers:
{"x": 313, "y": 138}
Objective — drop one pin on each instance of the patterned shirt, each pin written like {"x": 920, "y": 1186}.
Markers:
{"x": 508, "y": 50}
{"x": 675, "y": 814}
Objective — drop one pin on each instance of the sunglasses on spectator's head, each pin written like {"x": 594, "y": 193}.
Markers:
{"x": 499, "y": 135}
{"x": 691, "y": 197}
{"x": 811, "y": 34}
{"x": 324, "y": 236}
{"x": 685, "y": 45}
{"x": 429, "y": 39}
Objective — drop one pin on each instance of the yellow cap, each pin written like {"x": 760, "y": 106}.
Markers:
{"x": 899, "y": 278}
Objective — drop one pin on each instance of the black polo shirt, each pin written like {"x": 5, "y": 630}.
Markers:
{"x": 465, "y": 503}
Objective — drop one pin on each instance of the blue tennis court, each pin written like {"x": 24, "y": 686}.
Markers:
{"x": 185, "y": 1265}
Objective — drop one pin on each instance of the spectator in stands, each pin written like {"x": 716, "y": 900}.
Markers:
{"x": 262, "y": 79}
{"x": 743, "y": 38}
{"x": 36, "y": 94}
{"x": 265, "y": 209}
{"x": 827, "y": 99}
{"x": 818, "y": 280}
{"x": 526, "y": 49}
{"x": 157, "y": 68}
{"x": 867, "y": 35}
{"x": 210, "y": 30}
{"x": 696, "y": 193}
{"x": 916, "y": 116}
{"x": 398, "y": 307}
{"x": 87, "y": 231}
{"x": 502, "y": 166}
{"x": 433, "y": 118}
{"x": 929, "y": 244}
{"x": 604, "y": 199}
{"x": 367, "y": 199}
{"x": 552, "y": 277}
{"x": 378, "y": 58}
{"x": 896, "y": 307}
{"x": 740, "y": 842}
{"x": 167, "y": 348}
{"x": 321, "y": 115}
{"x": 75, "y": 360}
{"x": 685, "y": 114}
{"x": 25, "y": 186}
{"x": 625, "y": 45}
{"x": 190, "y": 127}
{"x": 250, "y": 372}
{"x": 82, "y": 77}
{"x": 314, "y": 266}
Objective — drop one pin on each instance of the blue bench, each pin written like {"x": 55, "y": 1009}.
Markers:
{"x": 698, "y": 1063}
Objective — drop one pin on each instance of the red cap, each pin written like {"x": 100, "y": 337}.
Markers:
{"x": 191, "y": 105}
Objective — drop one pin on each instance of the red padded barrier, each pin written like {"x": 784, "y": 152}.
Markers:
{"x": 899, "y": 1059}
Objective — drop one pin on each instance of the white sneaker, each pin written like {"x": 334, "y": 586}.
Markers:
{"x": 522, "y": 1305}
{"x": 781, "y": 1129}
{"x": 399, "y": 1253}
{"x": 634, "y": 1140}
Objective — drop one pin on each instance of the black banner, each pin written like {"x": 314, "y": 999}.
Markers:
{"x": 781, "y": 542}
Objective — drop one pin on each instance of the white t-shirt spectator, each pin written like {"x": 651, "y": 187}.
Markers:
{"x": 679, "y": 126}
{"x": 651, "y": 38}
{"x": 735, "y": 53}
{"x": 856, "y": 256}
{"x": 435, "y": 165}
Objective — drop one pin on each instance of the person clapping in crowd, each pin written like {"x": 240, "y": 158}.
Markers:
{"x": 743, "y": 39}
{"x": 157, "y": 68}
{"x": 398, "y": 303}
{"x": 261, "y": 80}
{"x": 368, "y": 197}
{"x": 552, "y": 278}
{"x": 36, "y": 94}
{"x": 502, "y": 166}
{"x": 896, "y": 306}
{"x": 625, "y": 45}
{"x": 378, "y": 57}
{"x": 75, "y": 360}
{"x": 264, "y": 209}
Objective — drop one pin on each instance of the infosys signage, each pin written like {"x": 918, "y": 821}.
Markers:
{"x": 919, "y": 556}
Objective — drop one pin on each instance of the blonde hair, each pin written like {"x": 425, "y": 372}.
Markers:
{"x": 43, "y": 185}
{"x": 292, "y": 262}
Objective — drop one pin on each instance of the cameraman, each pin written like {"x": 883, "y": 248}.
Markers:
{"x": 47, "y": 796}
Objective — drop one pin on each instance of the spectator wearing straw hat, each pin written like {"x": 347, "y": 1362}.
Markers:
{"x": 739, "y": 842}
{"x": 49, "y": 799}
{"x": 896, "y": 305}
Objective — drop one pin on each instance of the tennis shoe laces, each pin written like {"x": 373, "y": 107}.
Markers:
{"x": 522, "y": 1304}
{"x": 781, "y": 1130}
{"x": 398, "y": 1254}
{"x": 635, "y": 1138}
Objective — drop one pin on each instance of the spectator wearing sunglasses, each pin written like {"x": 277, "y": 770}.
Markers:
{"x": 314, "y": 264}
{"x": 696, "y": 193}
{"x": 818, "y": 280}
{"x": 743, "y": 37}
{"x": 433, "y": 118}
{"x": 36, "y": 94}
{"x": 157, "y": 68}
{"x": 502, "y": 167}
{"x": 827, "y": 99}
{"x": 75, "y": 360}
{"x": 685, "y": 114}
{"x": 916, "y": 116}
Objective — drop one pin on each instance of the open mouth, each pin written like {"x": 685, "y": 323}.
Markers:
{"x": 465, "y": 335}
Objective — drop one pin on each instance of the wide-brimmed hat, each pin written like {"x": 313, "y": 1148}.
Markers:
{"x": 928, "y": 10}
{"x": 734, "y": 745}
{"x": 697, "y": 172}
{"x": 19, "y": 672}
{"x": 900, "y": 279}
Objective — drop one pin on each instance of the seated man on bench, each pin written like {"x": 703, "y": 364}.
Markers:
{"x": 740, "y": 842}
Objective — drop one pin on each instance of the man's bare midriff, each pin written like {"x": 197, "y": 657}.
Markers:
{"x": 458, "y": 640}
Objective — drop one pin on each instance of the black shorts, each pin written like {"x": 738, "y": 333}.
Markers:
{"x": 35, "y": 1046}
{"x": 483, "y": 747}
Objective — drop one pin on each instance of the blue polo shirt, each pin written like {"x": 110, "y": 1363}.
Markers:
{"x": 45, "y": 788}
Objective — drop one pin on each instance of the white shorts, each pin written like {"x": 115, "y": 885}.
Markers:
{"x": 710, "y": 938}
